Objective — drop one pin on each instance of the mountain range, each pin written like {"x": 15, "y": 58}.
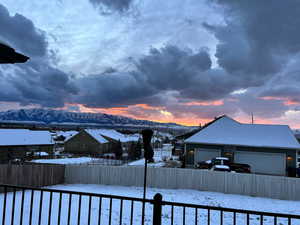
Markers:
{"x": 49, "y": 116}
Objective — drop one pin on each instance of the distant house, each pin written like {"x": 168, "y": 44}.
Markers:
{"x": 88, "y": 142}
{"x": 17, "y": 143}
{"x": 114, "y": 136}
{"x": 268, "y": 149}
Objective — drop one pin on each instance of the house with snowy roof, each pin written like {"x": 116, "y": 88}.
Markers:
{"x": 16, "y": 143}
{"x": 113, "y": 135}
{"x": 268, "y": 149}
{"x": 88, "y": 142}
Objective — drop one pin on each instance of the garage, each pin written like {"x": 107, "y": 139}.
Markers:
{"x": 262, "y": 162}
{"x": 206, "y": 154}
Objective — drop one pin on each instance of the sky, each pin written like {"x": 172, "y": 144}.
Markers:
{"x": 183, "y": 61}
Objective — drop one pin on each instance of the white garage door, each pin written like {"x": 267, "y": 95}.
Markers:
{"x": 206, "y": 154}
{"x": 265, "y": 163}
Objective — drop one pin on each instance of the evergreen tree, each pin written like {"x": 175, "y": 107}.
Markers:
{"x": 131, "y": 151}
{"x": 138, "y": 150}
{"x": 118, "y": 150}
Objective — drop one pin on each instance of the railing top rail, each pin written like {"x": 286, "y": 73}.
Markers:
{"x": 76, "y": 193}
{"x": 252, "y": 212}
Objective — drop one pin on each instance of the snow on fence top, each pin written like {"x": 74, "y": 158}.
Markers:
{"x": 227, "y": 131}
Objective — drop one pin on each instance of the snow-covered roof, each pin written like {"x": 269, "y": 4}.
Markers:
{"x": 97, "y": 135}
{"x": 226, "y": 131}
{"x": 116, "y": 135}
{"x": 13, "y": 137}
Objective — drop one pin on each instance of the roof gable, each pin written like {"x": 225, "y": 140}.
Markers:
{"x": 226, "y": 131}
{"x": 113, "y": 134}
{"x": 97, "y": 136}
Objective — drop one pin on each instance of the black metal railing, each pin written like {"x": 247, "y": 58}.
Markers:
{"x": 185, "y": 214}
{"x": 36, "y": 206}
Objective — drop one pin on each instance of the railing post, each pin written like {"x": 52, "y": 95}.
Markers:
{"x": 157, "y": 208}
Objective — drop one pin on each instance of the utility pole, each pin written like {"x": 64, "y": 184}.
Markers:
{"x": 252, "y": 118}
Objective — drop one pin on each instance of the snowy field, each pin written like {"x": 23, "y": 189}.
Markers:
{"x": 185, "y": 196}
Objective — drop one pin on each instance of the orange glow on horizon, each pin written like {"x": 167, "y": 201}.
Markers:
{"x": 286, "y": 101}
{"x": 159, "y": 114}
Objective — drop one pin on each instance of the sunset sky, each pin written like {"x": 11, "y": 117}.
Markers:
{"x": 183, "y": 61}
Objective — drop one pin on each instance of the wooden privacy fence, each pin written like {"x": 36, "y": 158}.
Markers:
{"x": 34, "y": 175}
{"x": 276, "y": 187}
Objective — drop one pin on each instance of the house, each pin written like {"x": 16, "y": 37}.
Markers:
{"x": 88, "y": 142}
{"x": 268, "y": 149}
{"x": 60, "y": 137}
{"x": 178, "y": 141}
{"x": 17, "y": 143}
{"x": 114, "y": 136}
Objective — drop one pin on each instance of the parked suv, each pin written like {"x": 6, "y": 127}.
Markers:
{"x": 210, "y": 163}
{"x": 223, "y": 161}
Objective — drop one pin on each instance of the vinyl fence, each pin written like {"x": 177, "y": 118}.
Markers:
{"x": 34, "y": 175}
{"x": 174, "y": 178}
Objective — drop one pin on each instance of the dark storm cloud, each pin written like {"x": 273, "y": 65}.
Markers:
{"x": 184, "y": 72}
{"x": 48, "y": 87}
{"x": 36, "y": 82}
{"x": 172, "y": 68}
{"x": 21, "y": 33}
{"x": 113, "y": 5}
{"x": 112, "y": 89}
{"x": 258, "y": 38}
{"x": 202, "y": 111}
{"x": 285, "y": 85}
{"x": 271, "y": 108}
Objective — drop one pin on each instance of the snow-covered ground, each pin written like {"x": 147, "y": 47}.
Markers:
{"x": 185, "y": 196}
{"x": 65, "y": 160}
{"x": 80, "y": 160}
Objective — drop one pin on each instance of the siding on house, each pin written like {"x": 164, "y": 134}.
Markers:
{"x": 84, "y": 143}
{"x": 8, "y": 153}
{"x": 224, "y": 148}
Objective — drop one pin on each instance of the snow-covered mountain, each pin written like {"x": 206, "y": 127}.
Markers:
{"x": 63, "y": 117}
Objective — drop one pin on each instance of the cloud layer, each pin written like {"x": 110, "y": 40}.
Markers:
{"x": 257, "y": 51}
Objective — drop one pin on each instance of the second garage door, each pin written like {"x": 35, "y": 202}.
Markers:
{"x": 206, "y": 154}
{"x": 264, "y": 163}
